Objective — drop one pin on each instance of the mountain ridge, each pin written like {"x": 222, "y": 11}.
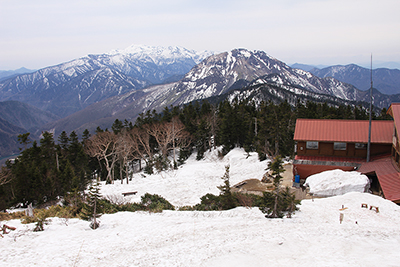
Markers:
{"x": 216, "y": 76}
{"x": 71, "y": 86}
{"x": 387, "y": 81}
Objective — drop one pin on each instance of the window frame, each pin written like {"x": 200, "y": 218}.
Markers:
{"x": 360, "y": 146}
{"x": 338, "y": 146}
{"x": 312, "y": 145}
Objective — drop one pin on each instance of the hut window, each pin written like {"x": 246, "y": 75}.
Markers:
{"x": 361, "y": 146}
{"x": 339, "y": 146}
{"x": 312, "y": 145}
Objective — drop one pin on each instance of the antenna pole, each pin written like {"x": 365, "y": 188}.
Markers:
{"x": 370, "y": 119}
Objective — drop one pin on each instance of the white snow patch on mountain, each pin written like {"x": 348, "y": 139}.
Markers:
{"x": 245, "y": 53}
{"x": 158, "y": 54}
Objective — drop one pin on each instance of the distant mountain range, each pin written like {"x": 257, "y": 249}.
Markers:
{"x": 387, "y": 81}
{"x": 250, "y": 72}
{"x": 97, "y": 89}
{"x": 306, "y": 67}
{"x": 69, "y": 87}
{"x": 5, "y": 74}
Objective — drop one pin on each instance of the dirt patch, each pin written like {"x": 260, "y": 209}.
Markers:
{"x": 255, "y": 186}
{"x": 252, "y": 186}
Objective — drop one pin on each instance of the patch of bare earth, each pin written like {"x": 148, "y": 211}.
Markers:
{"x": 258, "y": 186}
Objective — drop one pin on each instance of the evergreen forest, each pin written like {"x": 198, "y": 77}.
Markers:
{"x": 49, "y": 169}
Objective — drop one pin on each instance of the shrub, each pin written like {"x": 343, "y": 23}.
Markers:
{"x": 131, "y": 207}
{"x": 161, "y": 163}
{"x": 148, "y": 169}
{"x": 209, "y": 202}
{"x": 5, "y": 216}
{"x": 248, "y": 200}
{"x": 41, "y": 219}
{"x": 186, "y": 208}
{"x": 286, "y": 204}
{"x": 155, "y": 203}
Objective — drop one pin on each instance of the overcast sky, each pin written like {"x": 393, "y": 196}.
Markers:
{"x": 40, "y": 33}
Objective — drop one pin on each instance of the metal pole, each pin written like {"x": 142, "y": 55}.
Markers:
{"x": 370, "y": 119}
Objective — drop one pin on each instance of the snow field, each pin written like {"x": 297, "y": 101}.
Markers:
{"x": 237, "y": 237}
{"x": 193, "y": 180}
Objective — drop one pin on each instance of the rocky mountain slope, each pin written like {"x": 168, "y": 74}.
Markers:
{"x": 17, "y": 118}
{"x": 218, "y": 73}
{"x": 249, "y": 71}
{"x": 69, "y": 87}
{"x": 25, "y": 116}
{"x": 387, "y": 81}
{"x": 154, "y": 64}
{"x": 102, "y": 88}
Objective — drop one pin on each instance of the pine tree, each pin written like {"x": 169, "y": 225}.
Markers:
{"x": 227, "y": 199}
{"x": 272, "y": 210}
{"x": 24, "y": 140}
{"x": 290, "y": 201}
{"x": 275, "y": 203}
{"x": 277, "y": 168}
{"x": 85, "y": 135}
{"x": 117, "y": 126}
{"x": 91, "y": 209}
{"x": 63, "y": 140}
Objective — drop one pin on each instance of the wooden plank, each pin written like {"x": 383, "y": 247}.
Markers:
{"x": 129, "y": 193}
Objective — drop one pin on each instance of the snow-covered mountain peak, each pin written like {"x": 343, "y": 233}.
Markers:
{"x": 160, "y": 54}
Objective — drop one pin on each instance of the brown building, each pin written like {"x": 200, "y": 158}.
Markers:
{"x": 323, "y": 145}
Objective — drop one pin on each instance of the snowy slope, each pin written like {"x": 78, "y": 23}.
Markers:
{"x": 238, "y": 237}
{"x": 194, "y": 179}
{"x": 152, "y": 63}
{"x": 71, "y": 86}
{"x": 216, "y": 74}
{"x": 160, "y": 55}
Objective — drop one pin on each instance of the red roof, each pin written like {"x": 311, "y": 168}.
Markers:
{"x": 388, "y": 176}
{"x": 349, "y": 131}
{"x": 394, "y": 111}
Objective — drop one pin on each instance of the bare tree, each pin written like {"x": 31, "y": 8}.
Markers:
{"x": 5, "y": 175}
{"x": 169, "y": 135}
{"x": 103, "y": 146}
{"x": 162, "y": 134}
{"x": 181, "y": 137}
{"x": 141, "y": 147}
{"x": 127, "y": 149}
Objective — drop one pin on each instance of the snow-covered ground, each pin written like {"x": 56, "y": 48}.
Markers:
{"x": 192, "y": 180}
{"x": 337, "y": 182}
{"x": 238, "y": 237}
